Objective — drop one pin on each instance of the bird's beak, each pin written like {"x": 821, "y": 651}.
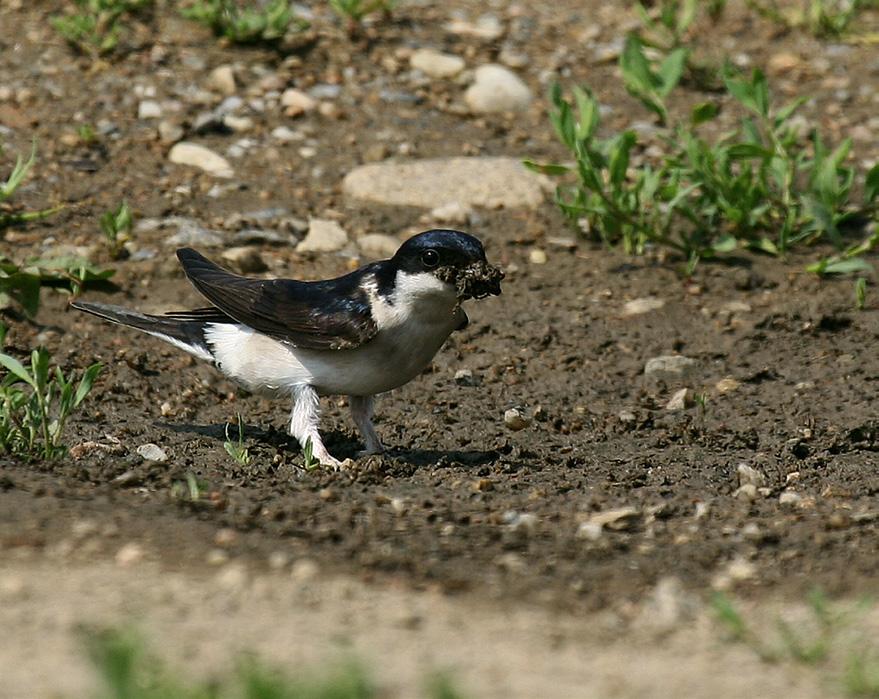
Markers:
{"x": 478, "y": 280}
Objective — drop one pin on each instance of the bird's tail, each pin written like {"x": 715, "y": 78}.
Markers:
{"x": 183, "y": 330}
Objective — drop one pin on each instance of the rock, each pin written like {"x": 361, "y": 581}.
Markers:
{"x": 465, "y": 377}
{"x": 238, "y": 123}
{"x": 783, "y": 62}
{"x": 295, "y": 102}
{"x": 513, "y": 59}
{"x": 497, "y": 89}
{"x": 591, "y": 531}
{"x": 152, "y": 452}
{"x": 436, "y": 64}
{"x": 748, "y": 475}
{"x": 789, "y": 497}
{"x": 626, "y": 416}
{"x": 520, "y": 522}
{"x": 618, "y": 519}
{"x": 727, "y": 385}
{"x": 222, "y": 79}
{"x": 681, "y": 400}
{"x": 245, "y": 259}
{"x": 670, "y": 366}
{"x": 666, "y": 607}
{"x": 304, "y": 569}
{"x": 752, "y": 532}
{"x": 378, "y": 244}
{"x": 186, "y": 153}
{"x": 746, "y": 492}
{"x": 515, "y": 420}
{"x": 323, "y": 236}
{"x": 129, "y": 554}
{"x": 169, "y": 132}
{"x": 191, "y": 233}
{"x": 537, "y": 257}
{"x": 453, "y": 212}
{"x": 233, "y": 577}
{"x": 637, "y": 307}
{"x": 487, "y": 27}
{"x": 149, "y": 109}
{"x": 287, "y": 135}
{"x": 490, "y": 182}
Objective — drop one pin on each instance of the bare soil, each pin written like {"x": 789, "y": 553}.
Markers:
{"x": 441, "y": 511}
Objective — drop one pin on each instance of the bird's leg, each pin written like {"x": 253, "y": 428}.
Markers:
{"x": 361, "y": 411}
{"x": 304, "y": 420}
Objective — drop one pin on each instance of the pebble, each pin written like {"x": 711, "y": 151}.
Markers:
{"x": 304, "y": 569}
{"x": 169, "y": 132}
{"x": 129, "y": 554}
{"x": 149, "y": 109}
{"x": 378, "y": 245}
{"x": 323, "y": 235}
{"x": 670, "y": 366}
{"x": 727, "y": 385}
{"x": 783, "y": 62}
{"x": 746, "y": 492}
{"x": 515, "y": 420}
{"x": 748, "y": 475}
{"x": 789, "y": 497}
{"x": 222, "y": 79}
{"x": 523, "y": 522}
{"x": 591, "y": 531}
{"x": 537, "y": 257}
{"x": 436, "y": 64}
{"x": 295, "y": 102}
{"x": 489, "y": 182}
{"x": 233, "y": 577}
{"x": 286, "y": 135}
{"x": 681, "y": 400}
{"x": 245, "y": 259}
{"x": 497, "y": 89}
{"x": 191, "y": 233}
{"x": 618, "y": 519}
{"x": 637, "y": 307}
{"x": 192, "y": 154}
{"x": 487, "y": 27}
{"x": 465, "y": 377}
{"x": 152, "y": 452}
{"x": 453, "y": 212}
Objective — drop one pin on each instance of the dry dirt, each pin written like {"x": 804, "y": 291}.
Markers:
{"x": 463, "y": 545}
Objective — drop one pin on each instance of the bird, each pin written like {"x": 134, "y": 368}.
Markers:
{"x": 361, "y": 334}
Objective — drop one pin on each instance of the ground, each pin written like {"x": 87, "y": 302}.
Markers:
{"x": 468, "y": 544}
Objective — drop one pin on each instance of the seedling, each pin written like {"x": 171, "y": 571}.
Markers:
{"x": 860, "y": 293}
{"x": 36, "y": 403}
{"x": 236, "y": 449}
{"x": 354, "y": 11}
{"x": 651, "y": 84}
{"x": 189, "y": 490}
{"x": 116, "y": 226}
{"x": 245, "y": 25}
{"x": 8, "y": 216}
{"x": 310, "y": 463}
{"x": 823, "y": 18}
{"x": 97, "y": 26}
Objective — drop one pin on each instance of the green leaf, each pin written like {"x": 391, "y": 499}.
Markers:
{"x": 725, "y": 243}
{"x": 619, "y": 156}
{"x": 747, "y": 151}
{"x": 23, "y": 288}
{"x": 854, "y": 264}
{"x": 546, "y": 169}
{"x": 635, "y": 67}
{"x": 671, "y": 69}
{"x": 871, "y": 184}
{"x": 16, "y": 368}
{"x": 702, "y": 112}
{"x": 86, "y": 383}
{"x": 588, "y": 113}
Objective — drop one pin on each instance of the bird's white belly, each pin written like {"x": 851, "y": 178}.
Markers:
{"x": 264, "y": 365}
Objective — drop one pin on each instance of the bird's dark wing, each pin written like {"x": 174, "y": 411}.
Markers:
{"x": 329, "y": 315}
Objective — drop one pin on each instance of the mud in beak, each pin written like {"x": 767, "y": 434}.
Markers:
{"x": 478, "y": 280}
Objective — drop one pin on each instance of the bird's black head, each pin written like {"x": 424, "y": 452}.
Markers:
{"x": 453, "y": 257}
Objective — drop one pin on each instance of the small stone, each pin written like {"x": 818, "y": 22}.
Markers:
{"x": 436, "y": 64}
{"x": 681, "y": 400}
{"x": 225, "y": 537}
{"x": 637, "y": 307}
{"x": 746, "y": 492}
{"x": 752, "y": 532}
{"x": 194, "y": 155}
{"x": 521, "y": 522}
{"x": 487, "y": 27}
{"x": 129, "y": 554}
{"x": 748, "y": 475}
{"x": 222, "y": 79}
{"x": 668, "y": 367}
{"x": 169, "y": 132}
{"x": 233, "y": 577}
{"x": 497, "y": 89}
{"x": 149, "y": 109}
{"x": 741, "y": 569}
{"x": 304, "y": 569}
{"x": 192, "y": 233}
{"x": 591, "y": 531}
{"x": 783, "y": 62}
{"x": 515, "y": 420}
{"x": 378, "y": 245}
{"x": 537, "y": 257}
{"x": 626, "y": 416}
{"x": 152, "y": 452}
{"x": 453, "y": 212}
{"x": 238, "y": 123}
{"x": 245, "y": 259}
{"x": 278, "y": 560}
{"x": 727, "y": 385}
{"x": 166, "y": 409}
{"x": 736, "y": 307}
{"x": 296, "y": 102}
{"x": 465, "y": 377}
{"x": 323, "y": 235}
{"x": 216, "y": 557}
{"x": 287, "y": 135}
{"x": 789, "y": 497}
{"x": 618, "y": 519}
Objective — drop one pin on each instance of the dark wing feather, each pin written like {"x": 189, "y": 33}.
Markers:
{"x": 313, "y": 315}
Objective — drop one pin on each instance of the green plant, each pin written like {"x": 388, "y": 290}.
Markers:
{"x": 354, "y": 11}
{"x": 116, "y": 226}
{"x": 651, "y": 84}
{"x": 245, "y": 25}
{"x": 823, "y": 18}
{"x": 762, "y": 185}
{"x": 35, "y": 404}
{"x": 309, "y": 462}
{"x": 97, "y": 26}
{"x": 861, "y": 678}
{"x": 190, "y": 489}
{"x": 236, "y": 449}
{"x": 860, "y": 293}
{"x": 8, "y": 216}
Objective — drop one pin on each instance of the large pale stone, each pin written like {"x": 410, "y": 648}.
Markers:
{"x": 185, "y": 153}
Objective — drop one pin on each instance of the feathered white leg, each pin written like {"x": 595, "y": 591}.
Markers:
{"x": 304, "y": 421}
{"x": 362, "y": 408}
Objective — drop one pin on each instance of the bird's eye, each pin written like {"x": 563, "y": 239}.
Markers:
{"x": 430, "y": 258}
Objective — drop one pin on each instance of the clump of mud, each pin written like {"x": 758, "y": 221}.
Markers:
{"x": 474, "y": 281}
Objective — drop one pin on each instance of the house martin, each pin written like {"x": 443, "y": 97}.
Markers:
{"x": 358, "y": 335}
